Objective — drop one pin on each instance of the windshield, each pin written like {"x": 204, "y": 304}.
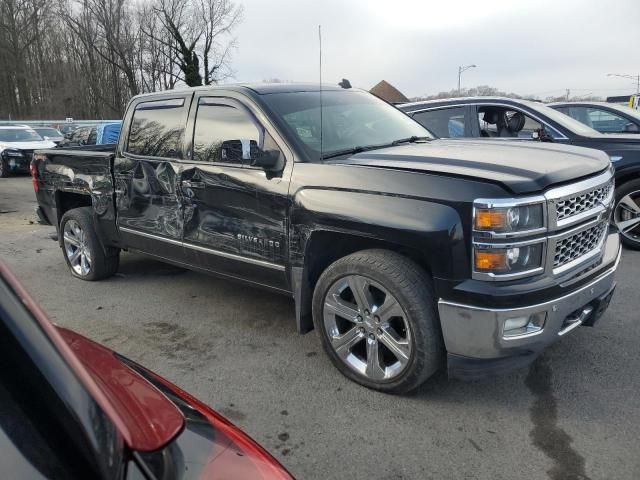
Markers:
{"x": 350, "y": 120}
{"x": 563, "y": 120}
{"x": 624, "y": 109}
{"x": 19, "y": 135}
{"x": 48, "y": 132}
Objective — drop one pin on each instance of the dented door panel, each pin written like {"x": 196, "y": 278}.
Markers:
{"x": 235, "y": 222}
{"x": 150, "y": 205}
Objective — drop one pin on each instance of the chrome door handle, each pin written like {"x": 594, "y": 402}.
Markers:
{"x": 192, "y": 184}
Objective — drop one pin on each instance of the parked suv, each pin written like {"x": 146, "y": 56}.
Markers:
{"x": 501, "y": 119}
{"x": 401, "y": 250}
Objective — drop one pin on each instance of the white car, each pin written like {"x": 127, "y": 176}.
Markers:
{"x": 17, "y": 143}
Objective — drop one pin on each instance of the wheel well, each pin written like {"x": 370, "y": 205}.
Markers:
{"x": 324, "y": 248}
{"x": 66, "y": 201}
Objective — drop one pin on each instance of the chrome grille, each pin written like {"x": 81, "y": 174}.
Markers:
{"x": 578, "y": 245}
{"x": 583, "y": 202}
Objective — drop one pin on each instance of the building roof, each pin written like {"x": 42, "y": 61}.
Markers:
{"x": 388, "y": 92}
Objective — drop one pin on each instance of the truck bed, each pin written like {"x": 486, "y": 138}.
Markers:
{"x": 60, "y": 173}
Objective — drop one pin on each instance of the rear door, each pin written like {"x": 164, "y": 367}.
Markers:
{"x": 235, "y": 214}
{"x": 147, "y": 169}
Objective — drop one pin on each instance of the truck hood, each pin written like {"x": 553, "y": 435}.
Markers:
{"x": 520, "y": 167}
{"x": 27, "y": 145}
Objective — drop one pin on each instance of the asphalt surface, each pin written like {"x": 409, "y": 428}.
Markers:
{"x": 575, "y": 414}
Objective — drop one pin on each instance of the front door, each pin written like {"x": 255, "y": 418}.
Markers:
{"x": 150, "y": 207}
{"x": 235, "y": 214}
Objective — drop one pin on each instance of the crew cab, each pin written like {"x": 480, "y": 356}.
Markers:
{"x": 403, "y": 251}
{"x": 17, "y": 143}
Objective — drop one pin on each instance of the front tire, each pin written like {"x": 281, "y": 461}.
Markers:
{"x": 82, "y": 251}
{"x": 626, "y": 213}
{"x": 375, "y": 314}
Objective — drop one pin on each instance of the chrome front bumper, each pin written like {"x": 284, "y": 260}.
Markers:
{"x": 477, "y": 333}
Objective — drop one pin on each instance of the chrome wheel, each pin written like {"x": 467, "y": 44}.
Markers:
{"x": 367, "y": 328}
{"x": 627, "y": 215}
{"x": 76, "y": 249}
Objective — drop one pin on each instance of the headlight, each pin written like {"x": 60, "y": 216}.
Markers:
{"x": 507, "y": 260}
{"x": 508, "y": 219}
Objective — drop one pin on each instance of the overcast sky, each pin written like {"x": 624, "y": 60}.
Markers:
{"x": 538, "y": 47}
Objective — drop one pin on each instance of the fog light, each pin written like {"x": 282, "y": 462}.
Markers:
{"x": 523, "y": 325}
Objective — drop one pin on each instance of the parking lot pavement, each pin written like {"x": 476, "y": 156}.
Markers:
{"x": 574, "y": 414}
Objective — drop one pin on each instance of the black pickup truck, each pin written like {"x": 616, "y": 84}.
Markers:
{"x": 403, "y": 251}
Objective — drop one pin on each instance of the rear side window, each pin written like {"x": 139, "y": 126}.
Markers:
{"x": 225, "y": 134}
{"x": 157, "y": 129}
{"x": 445, "y": 122}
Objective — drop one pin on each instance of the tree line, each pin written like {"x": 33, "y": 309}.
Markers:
{"x": 85, "y": 58}
{"x": 488, "y": 91}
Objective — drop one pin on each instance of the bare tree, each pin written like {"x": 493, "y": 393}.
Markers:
{"x": 219, "y": 19}
{"x": 86, "y": 58}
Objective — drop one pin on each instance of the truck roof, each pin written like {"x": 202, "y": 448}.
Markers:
{"x": 255, "y": 88}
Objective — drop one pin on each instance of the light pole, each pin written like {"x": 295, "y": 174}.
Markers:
{"x": 462, "y": 69}
{"x": 630, "y": 77}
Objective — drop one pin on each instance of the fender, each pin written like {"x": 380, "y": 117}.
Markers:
{"x": 625, "y": 172}
{"x": 434, "y": 230}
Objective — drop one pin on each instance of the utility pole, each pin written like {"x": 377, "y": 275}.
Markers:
{"x": 461, "y": 70}
{"x": 568, "y": 94}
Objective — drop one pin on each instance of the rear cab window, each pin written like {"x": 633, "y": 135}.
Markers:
{"x": 157, "y": 128}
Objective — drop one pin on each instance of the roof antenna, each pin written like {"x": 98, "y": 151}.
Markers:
{"x": 345, "y": 83}
{"x": 320, "y": 42}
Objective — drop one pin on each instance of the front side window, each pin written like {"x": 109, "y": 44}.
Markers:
{"x": 444, "y": 122}
{"x": 504, "y": 122}
{"x": 350, "y": 119}
{"x": 157, "y": 129}
{"x": 225, "y": 134}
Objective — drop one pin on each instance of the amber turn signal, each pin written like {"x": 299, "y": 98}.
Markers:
{"x": 491, "y": 219}
{"x": 491, "y": 260}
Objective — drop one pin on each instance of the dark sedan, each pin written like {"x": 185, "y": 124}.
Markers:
{"x": 73, "y": 409}
{"x": 601, "y": 116}
{"x": 500, "y": 119}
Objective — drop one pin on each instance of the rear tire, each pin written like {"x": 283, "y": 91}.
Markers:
{"x": 387, "y": 337}
{"x": 626, "y": 213}
{"x": 81, "y": 248}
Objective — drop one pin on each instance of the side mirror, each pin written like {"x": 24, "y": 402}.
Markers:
{"x": 631, "y": 128}
{"x": 535, "y": 135}
{"x": 267, "y": 159}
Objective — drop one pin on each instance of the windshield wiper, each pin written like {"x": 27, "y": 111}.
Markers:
{"x": 412, "y": 139}
{"x": 348, "y": 151}
{"x": 354, "y": 150}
